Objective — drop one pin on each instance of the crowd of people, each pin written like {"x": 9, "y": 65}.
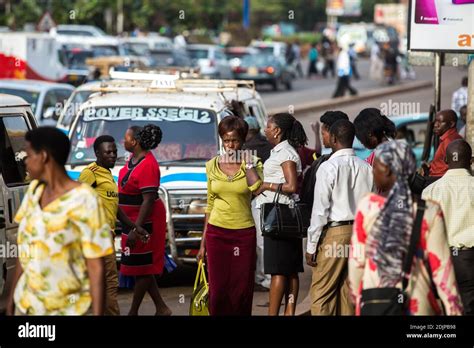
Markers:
{"x": 327, "y": 59}
{"x": 366, "y": 208}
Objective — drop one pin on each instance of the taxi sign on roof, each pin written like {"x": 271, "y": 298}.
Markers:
{"x": 156, "y": 80}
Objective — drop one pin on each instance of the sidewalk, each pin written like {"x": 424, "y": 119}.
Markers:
{"x": 178, "y": 297}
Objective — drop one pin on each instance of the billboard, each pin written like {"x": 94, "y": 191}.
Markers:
{"x": 343, "y": 8}
{"x": 441, "y": 25}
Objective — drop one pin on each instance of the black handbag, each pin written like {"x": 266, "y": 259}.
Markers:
{"x": 417, "y": 183}
{"x": 394, "y": 301}
{"x": 282, "y": 221}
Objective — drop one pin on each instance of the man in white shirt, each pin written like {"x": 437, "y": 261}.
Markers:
{"x": 459, "y": 98}
{"x": 341, "y": 182}
{"x": 455, "y": 194}
{"x": 344, "y": 73}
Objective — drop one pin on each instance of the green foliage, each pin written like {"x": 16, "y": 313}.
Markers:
{"x": 151, "y": 15}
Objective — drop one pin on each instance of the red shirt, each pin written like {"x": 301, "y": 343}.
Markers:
{"x": 306, "y": 156}
{"x": 438, "y": 166}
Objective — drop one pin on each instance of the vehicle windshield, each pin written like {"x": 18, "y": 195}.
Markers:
{"x": 258, "y": 60}
{"x": 105, "y": 51}
{"x": 74, "y": 32}
{"x": 266, "y": 49}
{"x": 77, "y": 99}
{"x": 162, "y": 57}
{"x": 188, "y": 133}
{"x": 198, "y": 53}
{"x": 30, "y": 96}
{"x": 137, "y": 48}
{"x": 76, "y": 59}
{"x": 232, "y": 55}
{"x": 162, "y": 45}
{"x": 90, "y": 31}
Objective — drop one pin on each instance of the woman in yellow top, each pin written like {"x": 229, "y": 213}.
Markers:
{"x": 62, "y": 235}
{"x": 229, "y": 237}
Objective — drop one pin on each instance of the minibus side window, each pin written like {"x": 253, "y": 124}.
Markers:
{"x": 12, "y": 150}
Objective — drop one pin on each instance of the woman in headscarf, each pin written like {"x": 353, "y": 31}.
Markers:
{"x": 382, "y": 231}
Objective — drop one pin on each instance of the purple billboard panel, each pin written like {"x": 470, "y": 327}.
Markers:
{"x": 425, "y": 12}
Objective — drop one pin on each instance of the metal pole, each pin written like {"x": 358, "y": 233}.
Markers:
{"x": 438, "y": 61}
{"x": 470, "y": 108}
{"x": 332, "y": 22}
{"x": 120, "y": 17}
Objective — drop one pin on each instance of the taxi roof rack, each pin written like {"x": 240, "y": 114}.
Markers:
{"x": 182, "y": 72}
{"x": 147, "y": 82}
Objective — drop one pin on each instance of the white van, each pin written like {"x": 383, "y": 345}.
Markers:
{"x": 30, "y": 56}
{"x": 353, "y": 33}
{"x": 188, "y": 112}
{"x": 16, "y": 119}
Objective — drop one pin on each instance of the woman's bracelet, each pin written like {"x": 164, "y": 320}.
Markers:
{"x": 271, "y": 184}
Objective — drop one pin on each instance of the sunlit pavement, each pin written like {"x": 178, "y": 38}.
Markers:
{"x": 176, "y": 290}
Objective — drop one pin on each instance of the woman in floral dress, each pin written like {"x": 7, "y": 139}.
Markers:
{"x": 382, "y": 230}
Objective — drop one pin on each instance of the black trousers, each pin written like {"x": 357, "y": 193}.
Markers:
{"x": 343, "y": 84}
{"x": 355, "y": 71}
{"x": 312, "y": 68}
{"x": 329, "y": 66}
{"x": 463, "y": 261}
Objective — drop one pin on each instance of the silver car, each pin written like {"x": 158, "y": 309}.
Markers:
{"x": 211, "y": 61}
{"x": 47, "y": 99}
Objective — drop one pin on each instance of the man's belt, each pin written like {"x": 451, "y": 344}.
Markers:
{"x": 333, "y": 224}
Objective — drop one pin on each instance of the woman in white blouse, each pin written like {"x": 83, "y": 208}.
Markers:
{"x": 283, "y": 258}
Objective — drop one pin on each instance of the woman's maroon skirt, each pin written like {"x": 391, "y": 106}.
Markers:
{"x": 231, "y": 258}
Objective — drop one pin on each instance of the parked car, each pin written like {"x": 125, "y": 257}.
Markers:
{"x": 265, "y": 69}
{"x": 278, "y": 49}
{"x": 163, "y": 57}
{"x": 77, "y": 30}
{"x": 143, "y": 45}
{"x": 16, "y": 119}
{"x": 211, "y": 61}
{"x": 46, "y": 98}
